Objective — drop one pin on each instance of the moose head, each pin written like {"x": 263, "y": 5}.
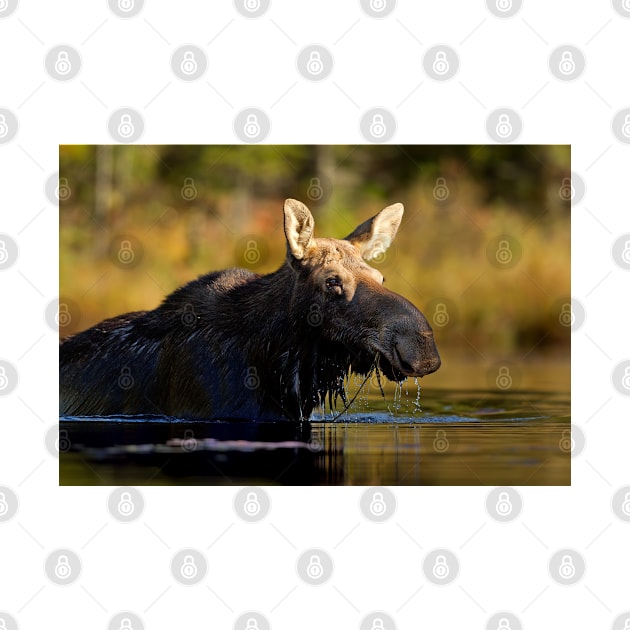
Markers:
{"x": 345, "y": 297}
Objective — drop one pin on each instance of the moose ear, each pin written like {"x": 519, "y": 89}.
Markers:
{"x": 298, "y": 227}
{"x": 375, "y": 235}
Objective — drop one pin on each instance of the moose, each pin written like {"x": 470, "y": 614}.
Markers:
{"x": 234, "y": 344}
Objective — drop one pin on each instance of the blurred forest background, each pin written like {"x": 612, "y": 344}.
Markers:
{"x": 483, "y": 251}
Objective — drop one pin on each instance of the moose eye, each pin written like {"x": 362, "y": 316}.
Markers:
{"x": 332, "y": 283}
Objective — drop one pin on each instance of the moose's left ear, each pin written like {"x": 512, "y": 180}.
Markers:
{"x": 298, "y": 227}
{"x": 375, "y": 235}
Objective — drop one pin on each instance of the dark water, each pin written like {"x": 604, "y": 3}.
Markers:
{"x": 450, "y": 437}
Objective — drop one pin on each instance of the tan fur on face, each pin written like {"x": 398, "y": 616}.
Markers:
{"x": 329, "y": 257}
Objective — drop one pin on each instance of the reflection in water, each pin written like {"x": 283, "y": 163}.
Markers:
{"x": 518, "y": 439}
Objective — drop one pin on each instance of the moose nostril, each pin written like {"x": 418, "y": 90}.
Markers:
{"x": 407, "y": 367}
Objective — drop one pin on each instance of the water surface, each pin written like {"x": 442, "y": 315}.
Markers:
{"x": 445, "y": 437}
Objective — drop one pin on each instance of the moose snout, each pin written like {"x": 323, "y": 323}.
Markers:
{"x": 415, "y": 354}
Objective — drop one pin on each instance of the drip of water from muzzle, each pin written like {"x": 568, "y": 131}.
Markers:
{"x": 416, "y": 402}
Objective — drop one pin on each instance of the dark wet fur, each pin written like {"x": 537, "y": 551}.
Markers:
{"x": 233, "y": 344}
{"x": 217, "y": 347}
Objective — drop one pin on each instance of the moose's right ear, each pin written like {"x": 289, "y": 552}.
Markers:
{"x": 298, "y": 227}
{"x": 375, "y": 235}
